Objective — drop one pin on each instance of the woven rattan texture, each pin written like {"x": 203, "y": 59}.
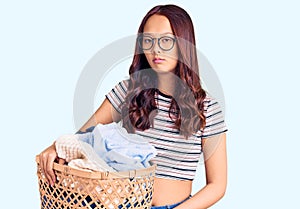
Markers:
{"x": 72, "y": 191}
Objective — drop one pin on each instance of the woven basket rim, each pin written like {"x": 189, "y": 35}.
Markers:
{"x": 102, "y": 175}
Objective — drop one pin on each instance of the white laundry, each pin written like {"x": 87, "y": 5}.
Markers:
{"x": 120, "y": 149}
{"x": 79, "y": 154}
{"x": 107, "y": 148}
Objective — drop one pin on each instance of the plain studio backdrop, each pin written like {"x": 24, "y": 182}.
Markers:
{"x": 253, "y": 47}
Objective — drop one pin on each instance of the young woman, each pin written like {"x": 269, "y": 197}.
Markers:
{"x": 164, "y": 102}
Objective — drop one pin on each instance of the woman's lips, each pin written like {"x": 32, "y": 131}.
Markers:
{"x": 158, "y": 60}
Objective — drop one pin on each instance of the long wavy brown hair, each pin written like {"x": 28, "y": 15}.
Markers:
{"x": 140, "y": 107}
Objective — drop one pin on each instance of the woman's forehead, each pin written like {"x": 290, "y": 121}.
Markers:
{"x": 158, "y": 24}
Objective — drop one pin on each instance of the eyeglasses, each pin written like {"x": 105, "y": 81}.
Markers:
{"x": 146, "y": 42}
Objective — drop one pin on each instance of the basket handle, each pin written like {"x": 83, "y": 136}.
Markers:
{"x": 101, "y": 175}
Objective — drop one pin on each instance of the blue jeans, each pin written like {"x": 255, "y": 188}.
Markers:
{"x": 170, "y": 206}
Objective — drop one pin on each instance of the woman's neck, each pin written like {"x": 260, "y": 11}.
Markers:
{"x": 166, "y": 83}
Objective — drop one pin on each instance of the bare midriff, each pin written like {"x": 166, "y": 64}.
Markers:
{"x": 169, "y": 191}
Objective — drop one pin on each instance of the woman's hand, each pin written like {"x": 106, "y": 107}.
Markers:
{"x": 47, "y": 158}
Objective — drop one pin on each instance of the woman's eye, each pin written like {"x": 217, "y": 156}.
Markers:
{"x": 147, "y": 40}
{"x": 165, "y": 40}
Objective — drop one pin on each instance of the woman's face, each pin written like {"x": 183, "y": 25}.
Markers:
{"x": 159, "y": 45}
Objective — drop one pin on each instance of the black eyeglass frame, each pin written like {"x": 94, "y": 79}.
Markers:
{"x": 140, "y": 39}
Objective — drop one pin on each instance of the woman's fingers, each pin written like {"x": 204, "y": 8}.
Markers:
{"x": 41, "y": 164}
{"x": 49, "y": 169}
{"x": 61, "y": 161}
{"x": 47, "y": 158}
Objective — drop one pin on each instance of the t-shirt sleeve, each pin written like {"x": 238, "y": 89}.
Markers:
{"x": 117, "y": 95}
{"x": 215, "y": 122}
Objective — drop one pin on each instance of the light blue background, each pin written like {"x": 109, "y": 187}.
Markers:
{"x": 252, "y": 45}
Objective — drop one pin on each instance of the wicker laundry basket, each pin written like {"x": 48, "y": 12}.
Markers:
{"x": 83, "y": 189}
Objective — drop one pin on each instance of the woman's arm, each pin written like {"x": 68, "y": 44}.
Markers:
{"x": 105, "y": 114}
{"x": 215, "y": 156}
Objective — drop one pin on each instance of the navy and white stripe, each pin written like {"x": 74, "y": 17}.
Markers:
{"x": 177, "y": 156}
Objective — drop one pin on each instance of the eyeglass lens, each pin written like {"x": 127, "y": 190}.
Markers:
{"x": 165, "y": 42}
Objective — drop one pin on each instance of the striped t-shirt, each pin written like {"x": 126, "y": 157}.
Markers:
{"x": 177, "y": 157}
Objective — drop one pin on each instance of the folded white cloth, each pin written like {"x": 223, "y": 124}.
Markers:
{"x": 79, "y": 154}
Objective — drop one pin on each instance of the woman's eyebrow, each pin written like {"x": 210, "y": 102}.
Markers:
{"x": 170, "y": 33}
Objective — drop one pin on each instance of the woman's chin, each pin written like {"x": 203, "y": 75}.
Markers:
{"x": 163, "y": 70}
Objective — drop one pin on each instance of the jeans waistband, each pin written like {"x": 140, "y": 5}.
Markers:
{"x": 170, "y": 206}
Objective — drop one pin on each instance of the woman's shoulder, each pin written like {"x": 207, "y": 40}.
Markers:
{"x": 212, "y": 105}
{"x": 124, "y": 82}
{"x": 209, "y": 100}
{"x": 122, "y": 85}
{"x": 214, "y": 114}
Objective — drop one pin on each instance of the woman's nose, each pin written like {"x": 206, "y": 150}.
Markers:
{"x": 156, "y": 48}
